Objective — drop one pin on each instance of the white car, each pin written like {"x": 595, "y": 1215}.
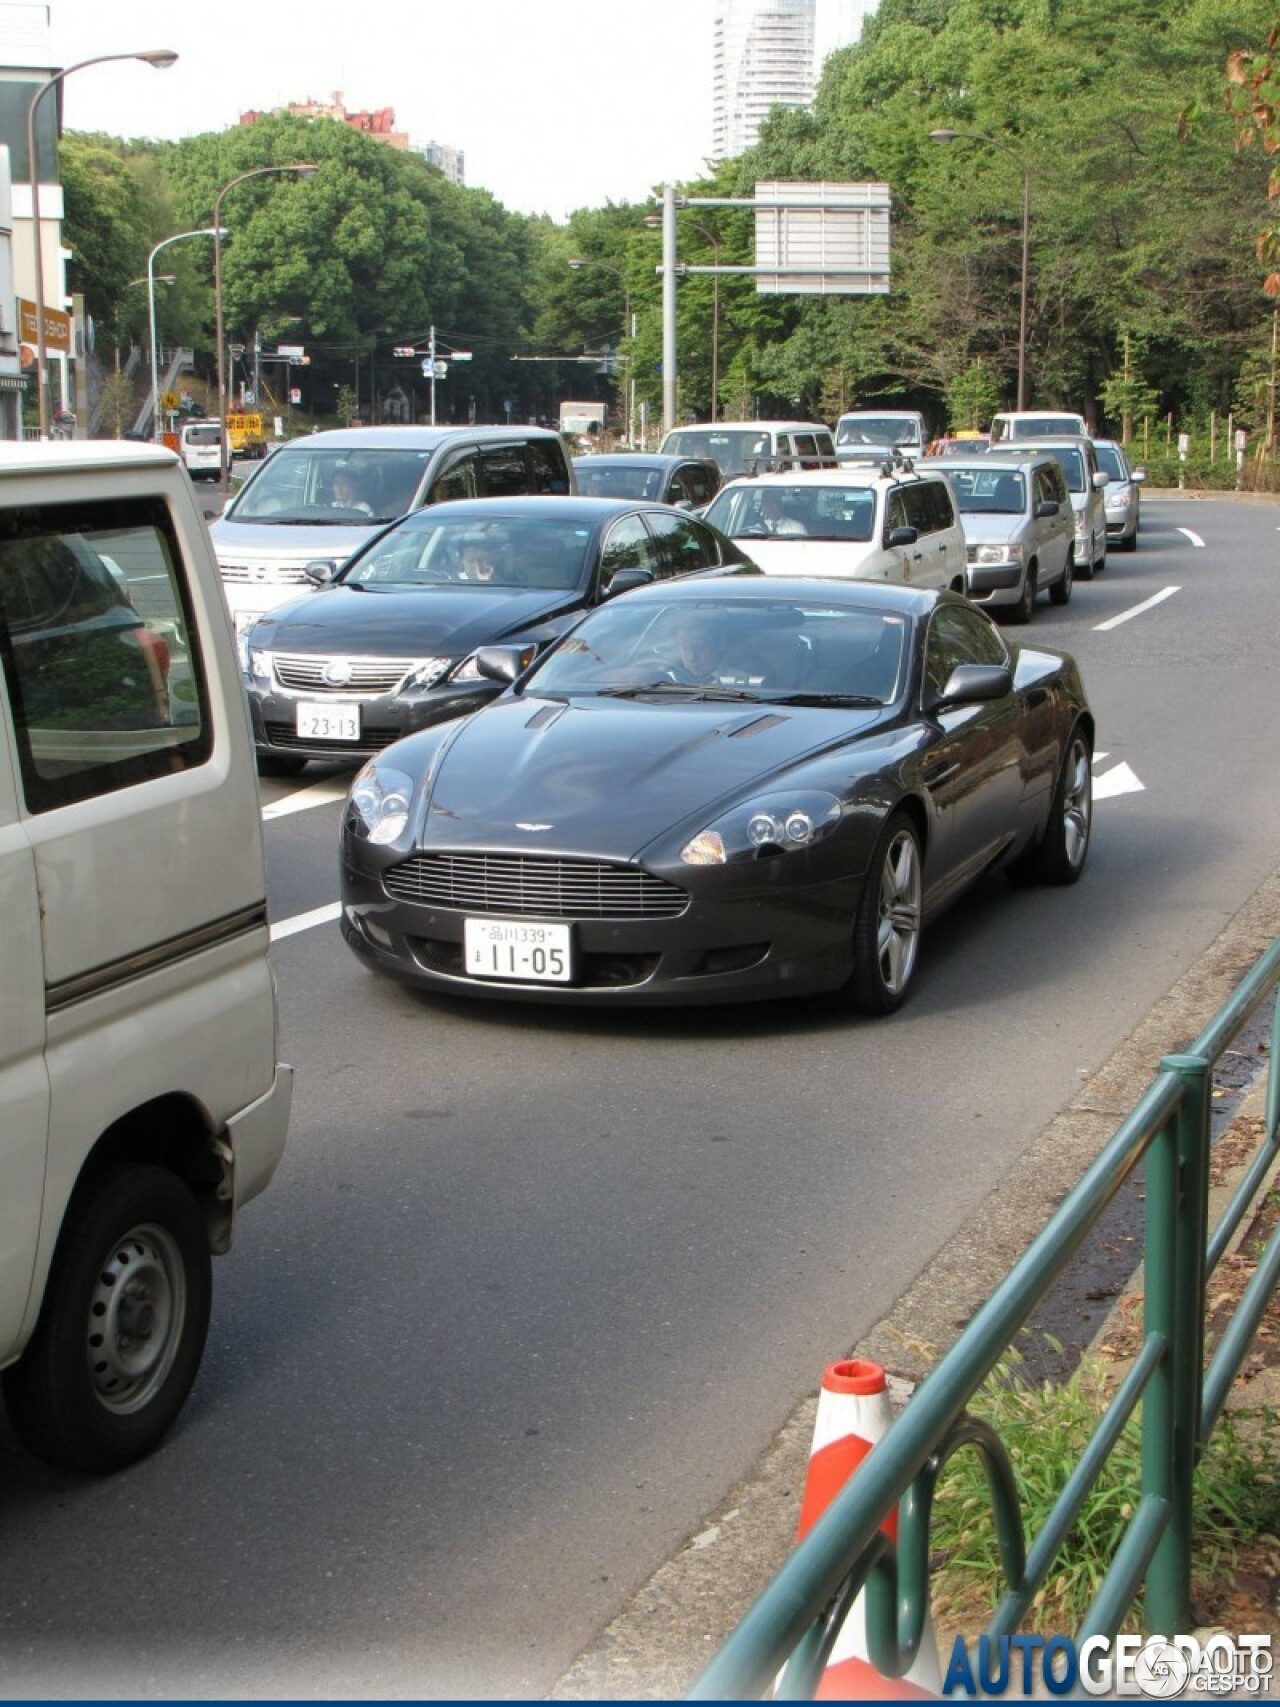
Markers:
{"x": 1037, "y": 424}
{"x": 872, "y": 434}
{"x": 870, "y": 522}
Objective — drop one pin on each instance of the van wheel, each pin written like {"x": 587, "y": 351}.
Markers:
{"x": 1021, "y": 612}
{"x": 1060, "y": 590}
{"x": 122, "y": 1327}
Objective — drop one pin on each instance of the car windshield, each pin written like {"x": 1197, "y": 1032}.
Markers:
{"x": 617, "y": 481}
{"x": 325, "y": 486}
{"x": 1046, "y": 427}
{"x": 1071, "y": 462}
{"x": 882, "y": 430}
{"x": 431, "y": 548}
{"x": 736, "y": 451}
{"x": 783, "y": 649}
{"x": 988, "y": 491}
{"x": 1111, "y": 462}
{"x": 755, "y": 510}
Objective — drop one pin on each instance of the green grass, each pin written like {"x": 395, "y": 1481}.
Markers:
{"x": 1045, "y": 1428}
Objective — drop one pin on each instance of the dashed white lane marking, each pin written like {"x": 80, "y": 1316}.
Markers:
{"x": 319, "y": 794}
{"x": 1137, "y": 610}
{"x": 1118, "y": 780}
{"x": 306, "y": 921}
{"x": 1193, "y": 537}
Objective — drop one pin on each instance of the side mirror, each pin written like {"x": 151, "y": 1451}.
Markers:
{"x": 1047, "y": 507}
{"x": 627, "y": 580}
{"x": 1138, "y": 475}
{"x": 971, "y": 684}
{"x": 500, "y": 663}
{"x": 322, "y": 571}
{"x": 1100, "y": 480}
{"x": 903, "y": 536}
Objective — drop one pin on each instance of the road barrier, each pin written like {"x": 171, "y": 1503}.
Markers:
{"x": 847, "y": 1554}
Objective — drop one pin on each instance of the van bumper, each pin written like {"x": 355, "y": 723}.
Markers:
{"x": 257, "y": 1135}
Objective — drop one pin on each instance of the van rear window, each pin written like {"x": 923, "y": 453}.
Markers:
{"x": 99, "y": 652}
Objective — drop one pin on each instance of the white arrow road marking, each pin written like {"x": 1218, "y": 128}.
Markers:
{"x": 1147, "y": 604}
{"x": 319, "y": 794}
{"x": 1118, "y": 780}
{"x": 306, "y": 921}
{"x": 1193, "y": 537}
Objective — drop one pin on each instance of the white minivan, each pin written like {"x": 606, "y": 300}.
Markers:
{"x": 141, "y": 1101}
{"x": 200, "y": 447}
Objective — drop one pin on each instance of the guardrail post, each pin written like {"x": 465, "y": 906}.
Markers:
{"x": 1182, "y": 1315}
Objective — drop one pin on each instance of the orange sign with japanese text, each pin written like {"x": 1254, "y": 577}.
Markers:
{"x": 57, "y": 327}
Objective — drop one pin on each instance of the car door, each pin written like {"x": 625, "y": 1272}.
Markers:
{"x": 924, "y": 565}
{"x": 1053, "y": 534}
{"x": 976, "y": 761}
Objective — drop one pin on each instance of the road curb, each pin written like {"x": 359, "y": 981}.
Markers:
{"x": 675, "y": 1622}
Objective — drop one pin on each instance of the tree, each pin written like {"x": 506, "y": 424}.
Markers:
{"x": 117, "y": 404}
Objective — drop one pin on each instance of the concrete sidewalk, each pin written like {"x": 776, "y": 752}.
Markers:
{"x": 661, "y": 1641}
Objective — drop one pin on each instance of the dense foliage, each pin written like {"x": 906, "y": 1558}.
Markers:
{"x": 1146, "y": 269}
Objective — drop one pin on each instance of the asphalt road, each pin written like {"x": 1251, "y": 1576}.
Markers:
{"x": 531, "y": 1290}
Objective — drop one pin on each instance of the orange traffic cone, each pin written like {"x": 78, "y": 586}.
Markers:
{"x": 853, "y": 1414}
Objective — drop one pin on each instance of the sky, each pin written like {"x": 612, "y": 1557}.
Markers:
{"x": 566, "y": 104}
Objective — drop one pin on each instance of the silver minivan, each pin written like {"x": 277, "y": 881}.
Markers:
{"x": 1078, "y": 461}
{"x": 321, "y": 497}
{"x": 1019, "y": 529}
{"x": 141, "y": 1101}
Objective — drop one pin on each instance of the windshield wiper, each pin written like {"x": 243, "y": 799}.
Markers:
{"x": 685, "y": 690}
{"x": 853, "y": 699}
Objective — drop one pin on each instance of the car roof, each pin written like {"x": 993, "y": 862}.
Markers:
{"x": 751, "y": 426}
{"x": 411, "y": 438}
{"x": 893, "y": 414}
{"x": 766, "y": 589}
{"x": 849, "y": 474}
{"x": 637, "y": 459}
{"x": 49, "y": 456}
{"x": 1013, "y": 459}
{"x": 544, "y": 504}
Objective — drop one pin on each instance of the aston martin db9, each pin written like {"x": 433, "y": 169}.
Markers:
{"x": 720, "y": 792}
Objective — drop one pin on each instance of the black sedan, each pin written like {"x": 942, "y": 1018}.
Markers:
{"x": 389, "y": 645}
{"x": 712, "y": 793}
{"x": 689, "y": 481}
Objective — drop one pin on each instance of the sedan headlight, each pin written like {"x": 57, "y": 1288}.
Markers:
{"x": 1117, "y": 497}
{"x": 994, "y": 553}
{"x": 259, "y": 662}
{"x": 424, "y": 674}
{"x": 380, "y": 799}
{"x": 771, "y": 824}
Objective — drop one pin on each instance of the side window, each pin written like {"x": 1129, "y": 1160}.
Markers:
{"x": 679, "y": 492}
{"x": 502, "y": 471}
{"x": 457, "y": 481}
{"x": 700, "y": 482}
{"x": 628, "y": 545}
{"x": 944, "y": 514}
{"x": 683, "y": 544}
{"x": 102, "y": 664}
{"x": 960, "y": 635}
{"x": 1044, "y": 487}
{"x": 826, "y": 449}
{"x": 920, "y": 512}
{"x": 548, "y": 470}
{"x": 807, "y": 450}
{"x": 896, "y": 512}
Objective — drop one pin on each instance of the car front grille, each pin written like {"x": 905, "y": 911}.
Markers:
{"x": 521, "y": 885}
{"x": 367, "y": 675}
{"x": 266, "y": 574}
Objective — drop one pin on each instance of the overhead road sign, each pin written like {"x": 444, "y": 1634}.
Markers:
{"x": 822, "y": 239}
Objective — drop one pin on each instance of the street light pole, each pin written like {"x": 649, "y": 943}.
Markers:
{"x": 668, "y": 308}
{"x": 710, "y": 237}
{"x": 945, "y": 135}
{"x": 160, "y": 59}
{"x": 207, "y": 231}
{"x": 302, "y": 169}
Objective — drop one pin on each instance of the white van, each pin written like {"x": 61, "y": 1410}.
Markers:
{"x": 200, "y": 447}
{"x": 754, "y": 447}
{"x": 141, "y": 1102}
{"x": 1037, "y": 424}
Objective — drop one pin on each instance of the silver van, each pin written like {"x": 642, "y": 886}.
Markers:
{"x": 141, "y": 1101}
{"x": 319, "y": 498}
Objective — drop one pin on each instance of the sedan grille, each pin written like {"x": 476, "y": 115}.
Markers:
{"x": 548, "y": 888}
{"x": 360, "y": 675}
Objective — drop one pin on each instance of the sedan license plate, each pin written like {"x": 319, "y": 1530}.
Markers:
{"x": 327, "y": 721}
{"x": 517, "y": 948}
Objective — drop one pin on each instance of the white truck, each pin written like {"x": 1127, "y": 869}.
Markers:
{"x": 583, "y": 420}
{"x": 141, "y": 1101}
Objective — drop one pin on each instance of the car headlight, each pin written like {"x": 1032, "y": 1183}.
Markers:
{"x": 379, "y": 800}
{"x": 424, "y": 674}
{"x": 771, "y": 824}
{"x": 259, "y": 661}
{"x": 1117, "y": 497}
{"x": 994, "y": 553}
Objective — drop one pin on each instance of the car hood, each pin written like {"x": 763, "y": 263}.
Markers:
{"x": 991, "y": 530}
{"x": 429, "y": 620}
{"x": 791, "y": 554}
{"x": 287, "y": 542}
{"x": 604, "y": 777}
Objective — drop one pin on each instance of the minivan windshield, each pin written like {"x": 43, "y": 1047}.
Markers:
{"x": 1071, "y": 462}
{"x": 882, "y": 430}
{"x": 331, "y": 487}
{"x": 757, "y": 509}
{"x": 1111, "y": 462}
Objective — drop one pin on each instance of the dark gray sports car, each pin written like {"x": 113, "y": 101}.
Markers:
{"x": 720, "y": 793}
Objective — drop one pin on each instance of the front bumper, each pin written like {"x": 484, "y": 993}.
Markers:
{"x": 994, "y": 583}
{"x": 753, "y": 945}
{"x": 384, "y": 718}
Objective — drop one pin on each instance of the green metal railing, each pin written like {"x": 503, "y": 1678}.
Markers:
{"x": 797, "y": 1618}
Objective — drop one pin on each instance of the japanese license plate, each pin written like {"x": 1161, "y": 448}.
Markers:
{"x": 328, "y": 720}
{"x": 517, "y": 948}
